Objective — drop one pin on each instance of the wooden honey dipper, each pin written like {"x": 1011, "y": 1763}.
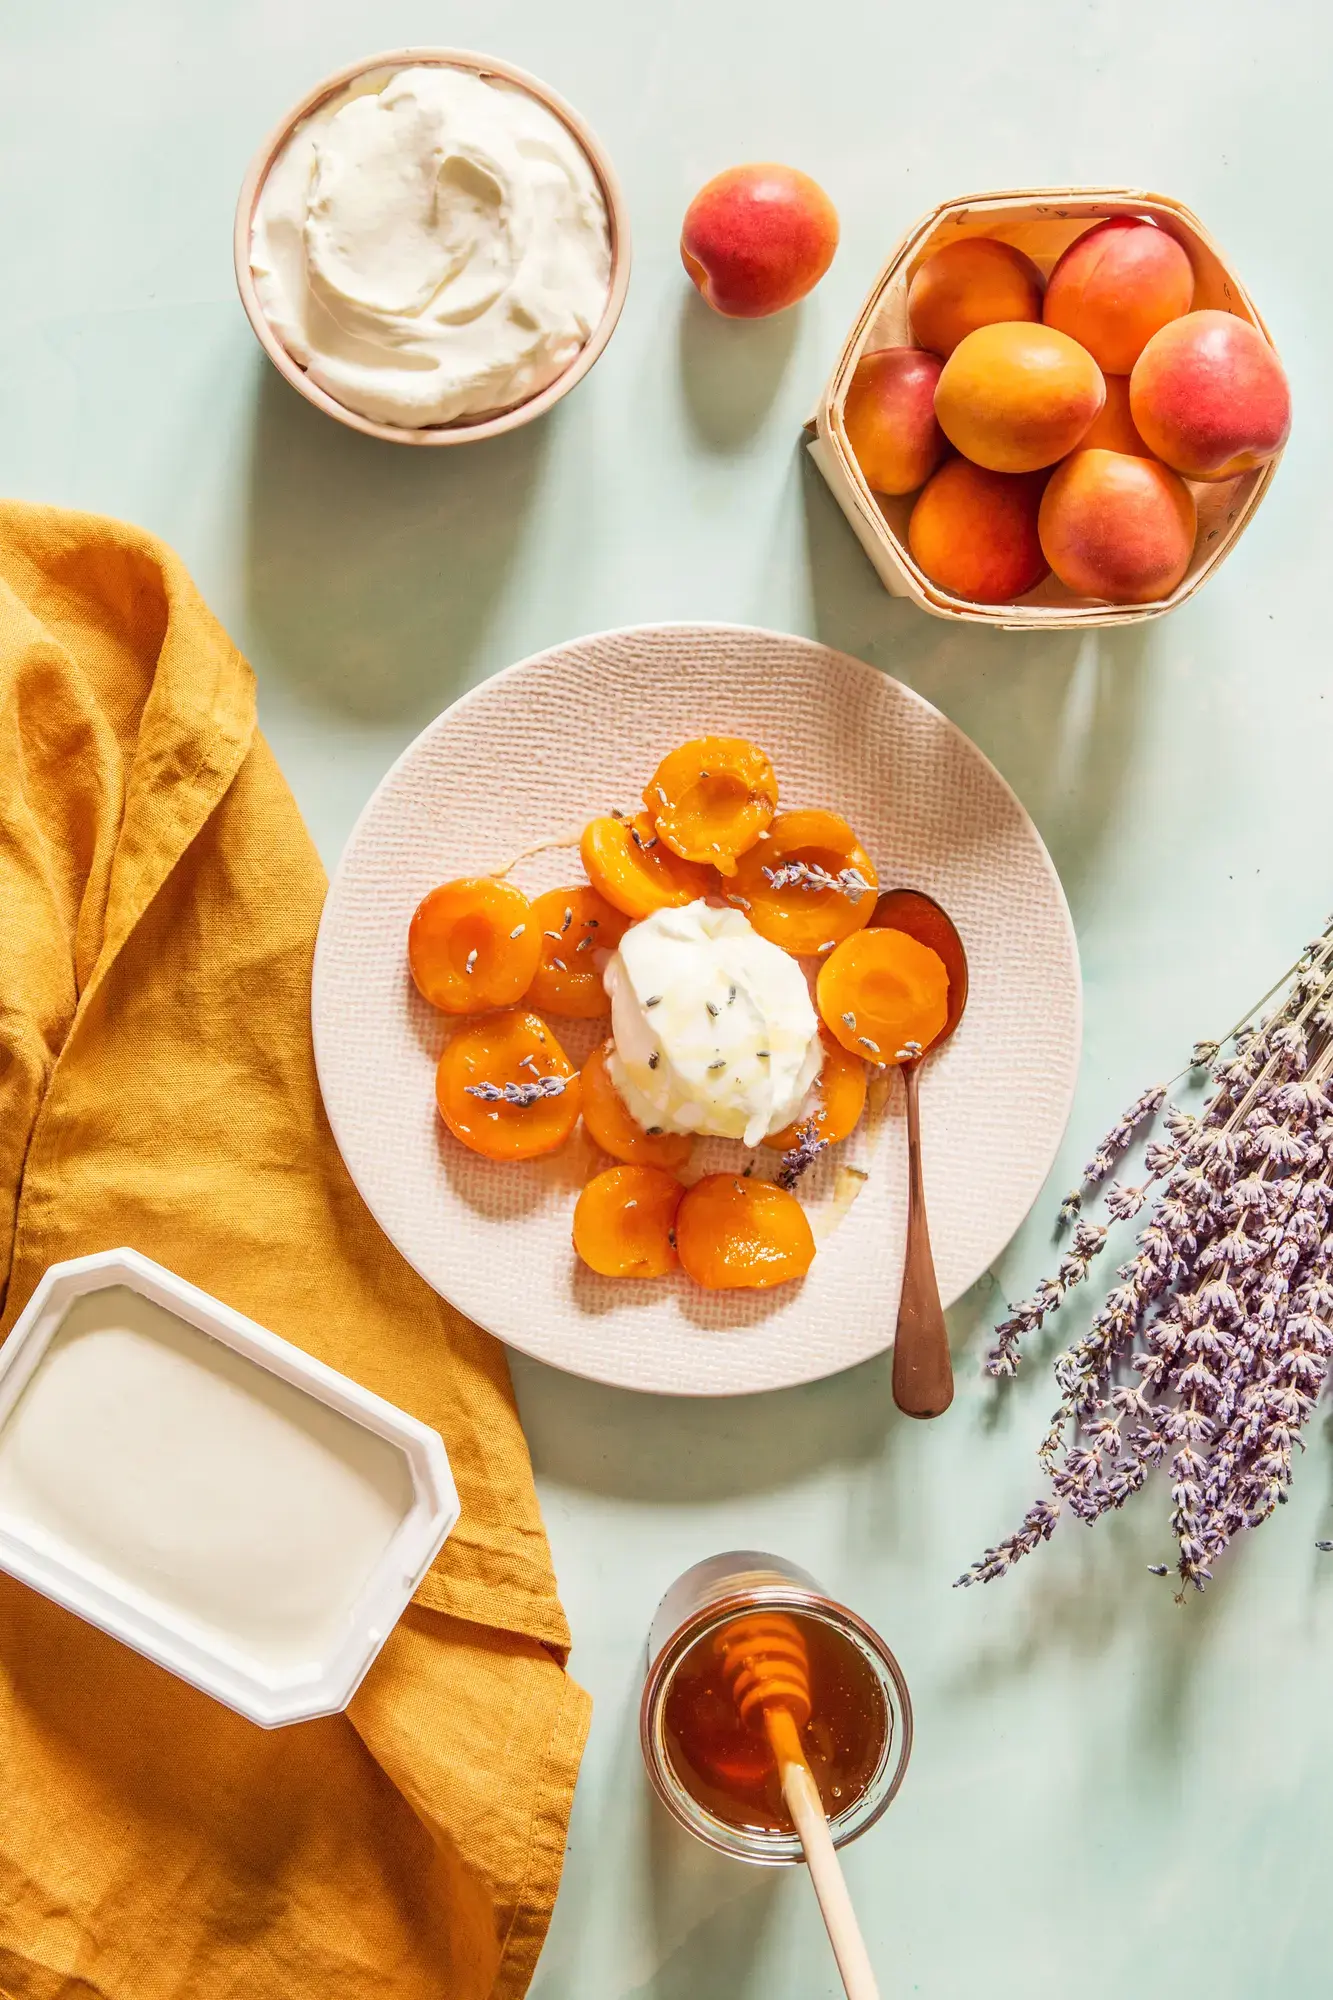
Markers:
{"x": 767, "y": 1668}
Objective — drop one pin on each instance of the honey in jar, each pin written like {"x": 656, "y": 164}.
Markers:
{"x": 727, "y": 1765}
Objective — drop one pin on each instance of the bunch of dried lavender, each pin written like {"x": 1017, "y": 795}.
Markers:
{"x": 1210, "y": 1353}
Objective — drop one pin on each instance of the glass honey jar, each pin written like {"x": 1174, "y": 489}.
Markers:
{"x": 714, "y": 1772}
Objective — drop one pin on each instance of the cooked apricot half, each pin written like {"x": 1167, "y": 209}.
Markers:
{"x": 735, "y": 1234}
{"x": 712, "y": 798}
{"x": 633, "y": 868}
{"x": 624, "y": 1222}
{"x": 611, "y": 1127}
{"x": 809, "y": 884}
{"x": 506, "y": 1088}
{"x": 883, "y": 995}
{"x": 840, "y": 1098}
{"x": 472, "y": 945}
{"x": 573, "y": 925}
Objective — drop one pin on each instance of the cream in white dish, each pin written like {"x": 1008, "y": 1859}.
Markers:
{"x": 196, "y": 1484}
{"x": 431, "y": 245}
{"x": 713, "y": 1027}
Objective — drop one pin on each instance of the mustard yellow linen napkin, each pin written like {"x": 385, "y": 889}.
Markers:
{"x": 158, "y": 903}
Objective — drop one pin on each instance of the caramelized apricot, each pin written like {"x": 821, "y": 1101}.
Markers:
{"x": 634, "y": 869}
{"x": 506, "y": 1088}
{"x": 611, "y": 1127}
{"x": 883, "y": 995}
{"x": 840, "y": 1098}
{"x": 624, "y": 1222}
{"x": 809, "y": 884}
{"x": 472, "y": 945}
{"x": 573, "y": 925}
{"x": 742, "y": 1235}
{"x": 712, "y": 798}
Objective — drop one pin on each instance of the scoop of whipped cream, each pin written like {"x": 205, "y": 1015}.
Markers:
{"x": 431, "y": 245}
{"x": 713, "y": 1027}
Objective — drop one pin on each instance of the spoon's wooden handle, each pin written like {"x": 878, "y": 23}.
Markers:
{"x": 807, "y": 1810}
{"x": 922, "y": 1369}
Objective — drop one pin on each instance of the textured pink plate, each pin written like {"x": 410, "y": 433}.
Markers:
{"x": 529, "y": 756}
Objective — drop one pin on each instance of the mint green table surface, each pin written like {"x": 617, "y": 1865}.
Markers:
{"x": 1111, "y": 1795}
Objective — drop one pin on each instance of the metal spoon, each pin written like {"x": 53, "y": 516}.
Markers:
{"x": 922, "y": 1369}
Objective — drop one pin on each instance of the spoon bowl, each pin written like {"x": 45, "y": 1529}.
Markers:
{"x": 922, "y": 1367}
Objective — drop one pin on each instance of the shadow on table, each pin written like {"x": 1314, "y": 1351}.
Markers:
{"x": 1058, "y": 712}
{"x": 373, "y": 569}
{"x": 628, "y": 1445}
{"x": 731, "y": 369}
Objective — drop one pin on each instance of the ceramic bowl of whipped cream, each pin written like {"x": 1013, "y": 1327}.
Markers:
{"x": 432, "y": 247}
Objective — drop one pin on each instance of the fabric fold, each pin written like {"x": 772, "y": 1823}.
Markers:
{"x": 159, "y": 898}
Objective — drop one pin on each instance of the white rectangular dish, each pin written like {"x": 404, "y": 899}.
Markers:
{"x": 209, "y": 1494}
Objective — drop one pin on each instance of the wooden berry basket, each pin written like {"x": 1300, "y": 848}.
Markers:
{"x": 1042, "y": 222}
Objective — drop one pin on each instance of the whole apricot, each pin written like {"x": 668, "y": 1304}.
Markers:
{"x": 1210, "y": 396}
{"x": 1016, "y": 397}
{"x": 1117, "y": 527}
{"x": 974, "y": 532}
{"x": 1115, "y": 286}
{"x": 970, "y": 284}
{"x": 889, "y": 417}
{"x": 1114, "y": 429}
{"x": 758, "y": 238}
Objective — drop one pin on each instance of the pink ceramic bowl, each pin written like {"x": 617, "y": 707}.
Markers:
{"x": 497, "y": 421}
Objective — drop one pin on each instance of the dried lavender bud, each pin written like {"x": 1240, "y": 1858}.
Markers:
{"x": 517, "y": 932}
{"x": 654, "y": 1001}
{"x": 584, "y": 944}
{"x": 866, "y": 1043}
{"x": 801, "y": 1156}
{"x": 521, "y": 1094}
{"x": 721, "y": 1063}
{"x": 559, "y": 965}
{"x": 849, "y": 882}
{"x": 731, "y": 996}
{"x": 713, "y": 1011}
{"x": 471, "y": 959}
{"x": 654, "y": 1059}
{"x": 849, "y": 1021}
{"x": 569, "y": 918}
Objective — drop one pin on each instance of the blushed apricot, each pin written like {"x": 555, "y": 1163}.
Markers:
{"x": 611, "y": 1126}
{"x": 1015, "y": 398}
{"x": 1210, "y": 396}
{"x": 881, "y": 991}
{"x": 808, "y": 884}
{"x": 974, "y": 532}
{"x": 888, "y": 414}
{"x": 634, "y": 869}
{"x": 742, "y": 1235}
{"x": 711, "y": 799}
{"x": 970, "y": 284}
{"x": 472, "y": 945}
{"x": 572, "y": 926}
{"x": 506, "y": 1088}
{"x": 757, "y": 238}
{"x": 624, "y": 1222}
{"x": 1115, "y": 286}
{"x": 1114, "y": 429}
{"x": 1116, "y": 527}
{"x": 840, "y": 1098}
